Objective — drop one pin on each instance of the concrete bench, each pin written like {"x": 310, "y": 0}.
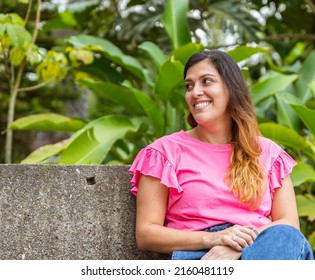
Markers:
{"x": 68, "y": 212}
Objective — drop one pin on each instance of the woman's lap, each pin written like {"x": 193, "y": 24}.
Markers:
{"x": 278, "y": 242}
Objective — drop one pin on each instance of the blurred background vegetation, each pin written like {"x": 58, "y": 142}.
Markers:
{"x": 92, "y": 82}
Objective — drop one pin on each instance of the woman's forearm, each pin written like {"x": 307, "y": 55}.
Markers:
{"x": 165, "y": 240}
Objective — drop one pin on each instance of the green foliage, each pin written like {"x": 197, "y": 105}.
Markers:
{"x": 14, "y": 37}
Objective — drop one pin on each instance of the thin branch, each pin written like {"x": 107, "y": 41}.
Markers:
{"x": 224, "y": 46}
{"x": 36, "y": 21}
{"x": 28, "y": 13}
{"x": 289, "y": 36}
{"x": 271, "y": 38}
{"x": 36, "y": 86}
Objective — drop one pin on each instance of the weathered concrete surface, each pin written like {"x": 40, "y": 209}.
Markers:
{"x": 67, "y": 212}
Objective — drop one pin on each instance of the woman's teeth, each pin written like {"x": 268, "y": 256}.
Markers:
{"x": 201, "y": 105}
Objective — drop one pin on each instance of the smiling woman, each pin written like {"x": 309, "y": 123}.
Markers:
{"x": 219, "y": 190}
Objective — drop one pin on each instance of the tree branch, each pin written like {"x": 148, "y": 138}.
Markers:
{"x": 289, "y": 36}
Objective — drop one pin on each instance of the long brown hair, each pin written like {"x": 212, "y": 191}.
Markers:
{"x": 245, "y": 176}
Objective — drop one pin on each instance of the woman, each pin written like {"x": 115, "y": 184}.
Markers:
{"x": 219, "y": 190}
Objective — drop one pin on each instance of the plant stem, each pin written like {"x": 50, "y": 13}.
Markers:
{"x": 13, "y": 96}
{"x": 29, "y": 8}
{"x": 36, "y": 86}
{"x": 15, "y": 85}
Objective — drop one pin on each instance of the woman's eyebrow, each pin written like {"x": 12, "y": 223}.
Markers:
{"x": 202, "y": 76}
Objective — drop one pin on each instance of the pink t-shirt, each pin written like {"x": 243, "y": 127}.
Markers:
{"x": 194, "y": 172}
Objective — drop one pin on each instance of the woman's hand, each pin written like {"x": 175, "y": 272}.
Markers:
{"x": 222, "y": 253}
{"x": 237, "y": 237}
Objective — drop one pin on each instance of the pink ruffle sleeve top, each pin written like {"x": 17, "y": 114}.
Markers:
{"x": 194, "y": 172}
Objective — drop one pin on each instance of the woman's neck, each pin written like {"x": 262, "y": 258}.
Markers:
{"x": 212, "y": 135}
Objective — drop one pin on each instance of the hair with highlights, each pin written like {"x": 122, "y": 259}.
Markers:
{"x": 244, "y": 176}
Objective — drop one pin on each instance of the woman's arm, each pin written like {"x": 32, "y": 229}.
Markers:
{"x": 284, "y": 210}
{"x": 151, "y": 234}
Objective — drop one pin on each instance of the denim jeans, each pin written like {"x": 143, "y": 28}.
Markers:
{"x": 278, "y": 242}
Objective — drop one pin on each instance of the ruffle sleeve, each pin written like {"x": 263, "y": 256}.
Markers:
{"x": 152, "y": 163}
{"x": 280, "y": 169}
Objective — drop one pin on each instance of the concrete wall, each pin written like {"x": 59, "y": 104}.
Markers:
{"x": 67, "y": 212}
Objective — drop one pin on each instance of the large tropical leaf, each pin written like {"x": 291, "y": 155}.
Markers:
{"x": 46, "y": 152}
{"x": 110, "y": 51}
{"x": 307, "y": 116}
{"x": 175, "y": 22}
{"x": 287, "y": 137}
{"x": 47, "y": 122}
{"x": 102, "y": 71}
{"x": 244, "y": 52}
{"x": 271, "y": 85}
{"x": 93, "y": 142}
{"x": 286, "y": 115}
{"x": 306, "y": 206}
{"x": 155, "y": 53}
{"x": 170, "y": 76}
{"x": 301, "y": 173}
{"x": 307, "y": 75}
{"x": 183, "y": 53}
{"x": 153, "y": 111}
{"x": 119, "y": 94}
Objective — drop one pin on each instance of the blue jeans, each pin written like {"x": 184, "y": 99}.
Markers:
{"x": 278, "y": 242}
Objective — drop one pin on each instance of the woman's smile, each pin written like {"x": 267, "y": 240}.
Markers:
{"x": 201, "y": 104}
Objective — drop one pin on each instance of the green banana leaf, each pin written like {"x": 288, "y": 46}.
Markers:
{"x": 286, "y": 115}
{"x": 183, "y": 53}
{"x": 155, "y": 53}
{"x": 110, "y": 51}
{"x": 119, "y": 94}
{"x": 47, "y": 122}
{"x": 175, "y": 22}
{"x": 170, "y": 76}
{"x": 91, "y": 144}
{"x": 269, "y": 86}
{"x": 134, "y": 102}
{"x": 43, "y": 153}
{"x": 306, "y": 115}
{"x": 241, "y": 53}
{"x": 153, "y": 111}
{"x": 301, "y": 173}
{"x": 287, "y": 137}
{"x": 306, "y": 206}
{"x": 307, "y": 75}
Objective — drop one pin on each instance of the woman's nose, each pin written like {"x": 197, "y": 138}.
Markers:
{"x": 197, "y": 91}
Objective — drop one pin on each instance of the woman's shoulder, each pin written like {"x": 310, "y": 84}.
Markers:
{"x": 169, "y": 139}
{"x": 267, "y": 143}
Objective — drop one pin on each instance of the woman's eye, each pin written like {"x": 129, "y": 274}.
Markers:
{"x": 207, "y": 81}
{"x": 188, "y": 87}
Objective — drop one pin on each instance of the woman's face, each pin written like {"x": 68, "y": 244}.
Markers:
{"x": 206, "y": 94}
